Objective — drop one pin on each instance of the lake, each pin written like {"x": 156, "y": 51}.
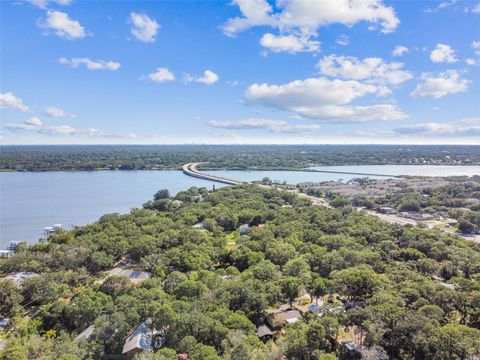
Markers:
{"x": 31, "y": 201}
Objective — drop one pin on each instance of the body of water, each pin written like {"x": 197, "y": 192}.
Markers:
{"x": 31, "y": 201}
{"x": 295, "y": 177}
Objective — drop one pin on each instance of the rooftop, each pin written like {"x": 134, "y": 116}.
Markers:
{"x": 85, "y": 334}
{"x": 140, "y": 338}
{"x": 264, "y": 330}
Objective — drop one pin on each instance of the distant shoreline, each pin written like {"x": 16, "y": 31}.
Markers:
{"x": 6, "y": 170}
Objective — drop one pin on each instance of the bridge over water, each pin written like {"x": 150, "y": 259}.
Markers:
{"x": 190, "y": 169}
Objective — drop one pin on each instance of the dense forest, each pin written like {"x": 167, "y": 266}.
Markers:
{"x": 222, "y": 261}
{"x": 141, "y": 157}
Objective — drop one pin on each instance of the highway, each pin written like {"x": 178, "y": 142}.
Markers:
{"x": 190, "y": 169}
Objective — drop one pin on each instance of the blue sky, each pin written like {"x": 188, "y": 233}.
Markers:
{"x": 247, "y": 71}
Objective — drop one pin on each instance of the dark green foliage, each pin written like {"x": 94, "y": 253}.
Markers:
{"x": 140, "y": 157}
{"x": 411, "y": 291}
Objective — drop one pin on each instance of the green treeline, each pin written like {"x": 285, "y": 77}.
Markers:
{"x": 141, "y": 157}
{"x": 415, "y": 292}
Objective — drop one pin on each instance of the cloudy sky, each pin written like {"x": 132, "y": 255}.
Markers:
{"x": 246, "y": 71}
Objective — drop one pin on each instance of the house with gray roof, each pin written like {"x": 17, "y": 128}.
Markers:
{"x": 139, "y": 340}
{"x": 86, "y": 334}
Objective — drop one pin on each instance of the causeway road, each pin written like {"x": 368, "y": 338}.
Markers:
{"x": 190, "y": 169}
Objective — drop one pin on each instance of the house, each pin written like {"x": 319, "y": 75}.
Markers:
{"x": 350, "y": 350}
{"x": 6, "y": 254}
{"x": 4, "y": 322}
{"x": 14, "y": 245}
{"x": 279, "y": 319}
{"x": 134, "y": 273}
{"x": 136, "y": 276}
{"x": 20, "y": 277}
{"x": 264, "y": 333}
{"x": 85, "y": 334}
{"x": 139, "y": 340}
{"x": 244, "y": 229}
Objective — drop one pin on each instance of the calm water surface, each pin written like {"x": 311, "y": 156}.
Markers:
{"x": 295, "y": 177}
{"x": 31, "y": 201}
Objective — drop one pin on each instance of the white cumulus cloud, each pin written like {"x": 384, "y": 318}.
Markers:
{"x": 161, "y": 75}
{"x": 324, "y": 99}
{"x": 475, "y": 9}
{"x": 440, "y": 6}
{"x": 443, "y": 54}
{"x": 57, "y": 112}
{"x": 143, "y": 28}
{"x": 462, "y": 127}
{"x": 342, "y": 40}
{"x": 400, "y": 50}
{"x": 441, "y": 84}
{"x": 35, "y": 125}
{"x": 289, "y": 43}
{"x": 9, "y": 100}
{"x": 302, "y": 19}
{"x": 374, "y": 70}
{"x": 43, "y": 4}
{"x": 208, "y": 78}
{"x": 61, "y": 24}
{"x": 90, "y": 64}
{"x": 470, "y": 61}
